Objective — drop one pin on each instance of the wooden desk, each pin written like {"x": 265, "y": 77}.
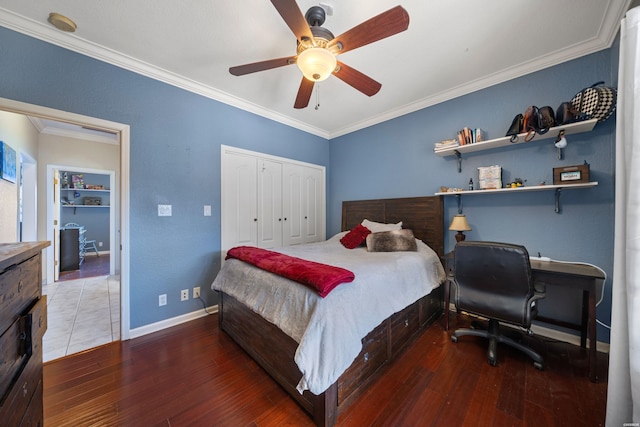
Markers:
{"x": 550, "y": 273}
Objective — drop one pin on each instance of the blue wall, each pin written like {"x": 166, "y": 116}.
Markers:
{"x": 396, "y": 159}
{"x": 175, "y": 159}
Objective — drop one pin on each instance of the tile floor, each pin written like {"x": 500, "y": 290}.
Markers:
{"x": 82, "y": 314}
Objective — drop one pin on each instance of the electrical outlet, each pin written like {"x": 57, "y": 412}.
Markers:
{"x": 196, "y": 292}
{"x": 162, "y": 300}
{"x": 184, "y": 294}
{"x": 207, "y": 210}
{"x": 99, "y": 244}
{"x": 164, "y": 210}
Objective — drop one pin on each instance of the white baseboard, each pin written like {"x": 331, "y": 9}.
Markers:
{"x": 174, "y": 321}
{"x": 92, "y": 253}
{"x": 556, "y": 335}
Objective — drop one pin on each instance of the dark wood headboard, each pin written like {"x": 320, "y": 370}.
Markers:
{"x": 423, "y": 215}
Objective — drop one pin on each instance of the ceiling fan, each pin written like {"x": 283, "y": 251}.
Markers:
{"x": 317, "y": 47}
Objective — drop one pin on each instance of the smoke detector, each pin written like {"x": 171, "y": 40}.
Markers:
{"x": 61, "y": 22}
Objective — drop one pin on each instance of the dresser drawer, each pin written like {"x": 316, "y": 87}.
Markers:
{"x": 370, "y": 359}
{"x": 13, "y": 354}
{"x": 36, "y": 325}
{"x": 22, "y": 392}
{"x": 34, "y": 416}
{"x": 404, "y": 324}
{"x": 19, "y": 286}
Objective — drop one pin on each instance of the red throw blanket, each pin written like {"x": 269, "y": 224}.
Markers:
{"x": 321, "y": 277}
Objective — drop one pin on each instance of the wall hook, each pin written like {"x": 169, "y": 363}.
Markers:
{"x": 560, "y": 143}
{"x": 459, "y": 160}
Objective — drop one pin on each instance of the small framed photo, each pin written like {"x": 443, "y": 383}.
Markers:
{"x": 8, "y": 162}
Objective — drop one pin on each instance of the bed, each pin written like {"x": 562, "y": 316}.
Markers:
{"x": 277, "y": 352}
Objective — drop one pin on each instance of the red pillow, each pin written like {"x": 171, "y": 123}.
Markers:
{"x": 355, "y": 237}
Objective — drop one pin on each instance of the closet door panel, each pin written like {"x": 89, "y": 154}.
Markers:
{"x": 239, "y": 206}
{"x": 313, "y": 205}
{"x": 269, "y": 204}
{"x": 293, "y": 204}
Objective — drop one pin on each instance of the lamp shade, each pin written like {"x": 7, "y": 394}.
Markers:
{"x": 459, "y": 223}
{"x": 316, "y": 63}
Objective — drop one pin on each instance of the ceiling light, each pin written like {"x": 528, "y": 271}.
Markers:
{"x": 62, "y": 23}
{"x": 316, "y": 63}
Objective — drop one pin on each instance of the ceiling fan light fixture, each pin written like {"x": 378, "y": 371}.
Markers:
{"x": 316, "y": 63}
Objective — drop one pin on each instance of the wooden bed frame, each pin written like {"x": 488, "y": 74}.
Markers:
{"x": 274, "y": 351}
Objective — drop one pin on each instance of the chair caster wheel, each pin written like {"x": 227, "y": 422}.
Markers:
{"x": 493, "y": 362}
{"x": 538, "y": 365}
{"x": 454, "y": 338}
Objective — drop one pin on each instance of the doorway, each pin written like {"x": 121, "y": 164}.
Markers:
{"x": 45, "y": 228}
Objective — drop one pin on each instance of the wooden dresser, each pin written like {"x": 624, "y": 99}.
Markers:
{"x": 23, "y": 321}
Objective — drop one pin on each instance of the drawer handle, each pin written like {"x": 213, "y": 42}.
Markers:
{"x": 366, "y": 357}
{"x": 25, "y": 391}
{"x": 20, "y": 286}
{"x": 40, "y": 322}
{"x": 406, "y": 323}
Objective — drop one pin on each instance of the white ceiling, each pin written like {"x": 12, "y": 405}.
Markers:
{"x": 452, "y": 47}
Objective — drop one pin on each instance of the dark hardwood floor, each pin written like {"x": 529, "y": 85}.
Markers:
{"x": 195, "y": 375}
{"x": 91, "y": 267}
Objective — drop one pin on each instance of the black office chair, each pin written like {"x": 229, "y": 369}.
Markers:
{"x": 494, "y": 281}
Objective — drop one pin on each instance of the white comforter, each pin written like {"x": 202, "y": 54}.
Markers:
{"x": 329, "y": 330}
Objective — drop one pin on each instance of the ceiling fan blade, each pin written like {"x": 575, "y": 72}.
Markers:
{"x": 356, "y": 79}
{"x": 304, "y": 93}
{"x": 241, "y": 70}
{"x": 294, "y": 18}
{"x": 388, "y": 23}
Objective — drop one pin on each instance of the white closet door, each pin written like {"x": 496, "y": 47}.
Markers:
{"x": 293, "y": 204}
{"x": 239, "y": 213}
{"x": 269, "y": 204}
{"x": 313, "y": 199}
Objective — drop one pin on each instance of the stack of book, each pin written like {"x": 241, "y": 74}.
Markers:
{"x": 469, "y": 136}
{"x": 465, "y": 136}
{"x": 447, "y": 143}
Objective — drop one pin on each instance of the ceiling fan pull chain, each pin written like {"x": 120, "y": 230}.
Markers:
{"x": 317, "y": 96}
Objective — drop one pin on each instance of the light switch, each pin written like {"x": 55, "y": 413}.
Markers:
{"x": 164, "y": 210}
{"x": 207, "y": 210}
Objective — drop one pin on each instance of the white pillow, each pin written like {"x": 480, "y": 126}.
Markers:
{"x": 377, "y": 227}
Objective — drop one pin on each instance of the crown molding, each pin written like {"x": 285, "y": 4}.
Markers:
{"x": 42, "y": 32}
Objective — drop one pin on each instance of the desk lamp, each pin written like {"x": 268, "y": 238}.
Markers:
{"x": 459, "y": 224}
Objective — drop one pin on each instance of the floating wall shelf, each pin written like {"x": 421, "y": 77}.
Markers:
{"x": 557, "y": 188}
{"x": 569, "y": 129}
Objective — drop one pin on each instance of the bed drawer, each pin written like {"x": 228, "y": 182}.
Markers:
{"x": 403, "y": 325}
{"x": 431, "y": 306}
{"x": 370, "y": 359}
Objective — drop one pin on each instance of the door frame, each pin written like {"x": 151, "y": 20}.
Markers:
{"x": 51, "y": 206}
{"x": 123, "y": 131}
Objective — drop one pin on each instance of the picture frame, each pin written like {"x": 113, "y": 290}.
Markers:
{"x": 8, "y": 163}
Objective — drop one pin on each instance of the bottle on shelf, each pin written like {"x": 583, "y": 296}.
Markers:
{"x": 470, "y": 184}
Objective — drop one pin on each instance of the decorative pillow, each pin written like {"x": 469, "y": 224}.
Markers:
{"x": 355, "y": 237}
{"x": 392, "y": 241}
{"x": 377, "y": 227}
